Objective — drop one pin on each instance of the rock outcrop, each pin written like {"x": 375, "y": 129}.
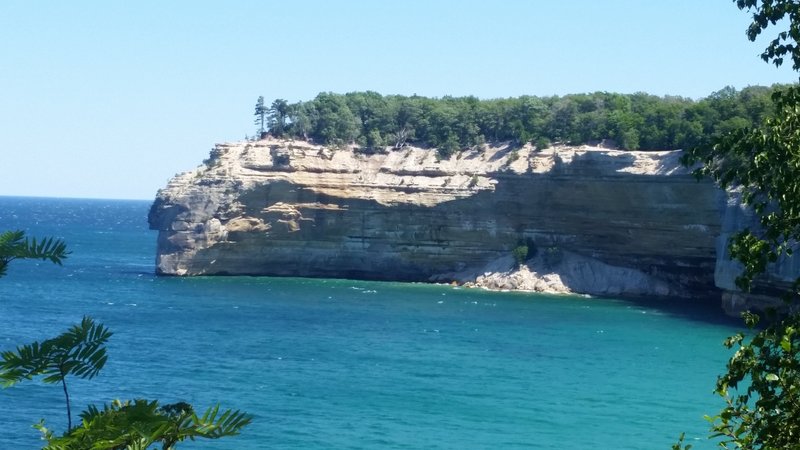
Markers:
{"x": 571, "y": 273}
{"x": 627, "y": 223}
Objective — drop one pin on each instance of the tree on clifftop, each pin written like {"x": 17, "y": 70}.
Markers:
{"x": 762, "y": 385}
{"x": 277, "y": 115}
{"x": 261, "y": 114}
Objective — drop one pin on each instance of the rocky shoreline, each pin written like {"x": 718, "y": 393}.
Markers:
{"x": 570, "y": 274}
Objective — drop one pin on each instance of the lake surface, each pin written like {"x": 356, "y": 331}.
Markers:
{"x": 350, "y": 364}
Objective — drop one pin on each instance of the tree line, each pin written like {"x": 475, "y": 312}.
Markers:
{"x": 632, "y": 121}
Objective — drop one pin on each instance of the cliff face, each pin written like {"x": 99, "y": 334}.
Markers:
{"x": 767, "y": 288}
{"x": 291, "y": 208}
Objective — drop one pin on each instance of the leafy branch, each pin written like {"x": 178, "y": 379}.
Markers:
{"x": 761, "y": 387}
{"x": 136, "y": 424}
{"x": 14, "y": 245}
{"x": 140, "y": 423}
{"x": 80, "y": 352}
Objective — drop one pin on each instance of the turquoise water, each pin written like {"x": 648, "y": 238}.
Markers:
{"x": 349, "y": 364}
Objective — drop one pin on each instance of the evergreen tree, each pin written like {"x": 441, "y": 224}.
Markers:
{"x": 261, "y": 115}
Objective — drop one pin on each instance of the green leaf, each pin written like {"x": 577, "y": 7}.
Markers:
{"x": 771, "y": 377}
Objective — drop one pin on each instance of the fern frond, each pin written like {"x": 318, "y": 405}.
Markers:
{"x": 14, "y": 245}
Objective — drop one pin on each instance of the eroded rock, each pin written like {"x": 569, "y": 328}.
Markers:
{"x": 631, "y": 223}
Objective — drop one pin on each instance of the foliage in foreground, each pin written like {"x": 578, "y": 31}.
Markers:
{"x": 14, "y": 245}
{"x": 81, "y": 352}
{"x": 138, "y": 424}
{"x": 761, "y": 388}
{"x": 763, "y": 412}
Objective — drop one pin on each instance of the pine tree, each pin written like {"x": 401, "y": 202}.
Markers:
{"x": 261, "y": 114}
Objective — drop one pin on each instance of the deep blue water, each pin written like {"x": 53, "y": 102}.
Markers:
{"x": 350, "y": 364}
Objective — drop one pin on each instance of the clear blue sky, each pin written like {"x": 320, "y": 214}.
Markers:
{"x": 110, "y": 99}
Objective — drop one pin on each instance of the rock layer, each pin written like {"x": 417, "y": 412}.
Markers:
{"x": 295, "y": 209}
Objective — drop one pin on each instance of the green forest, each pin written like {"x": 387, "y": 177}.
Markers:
{"x": 631, "y": 121}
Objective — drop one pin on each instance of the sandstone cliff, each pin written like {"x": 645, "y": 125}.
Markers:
{"x": 603, "y": 221}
